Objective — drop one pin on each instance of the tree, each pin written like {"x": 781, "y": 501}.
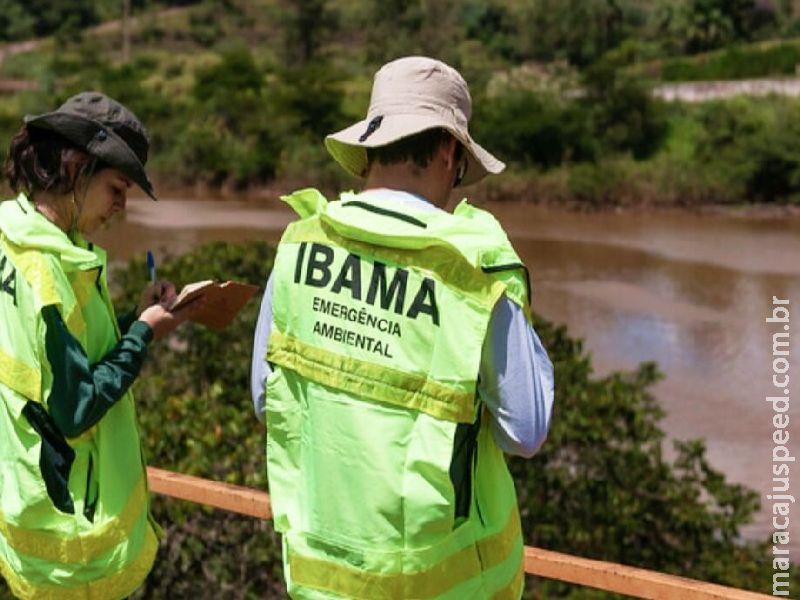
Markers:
{"x": 16, "y": 22}
{"x": 535, "y": 128}
{"x": 309, "y": 97}
{"x": 234, "y": 139}
{"x": 709, "y": 24}
{"x": 624, "y": 117}
{"x": 756, "y": 151}
{"x": 579, "y": 30}
{"x": 67, "y": 17}
{"x": 397, "y": 28}
{"x": 306, "y": 25}
{"x": 602, "y": 488}
{"x": 492, "y": 24}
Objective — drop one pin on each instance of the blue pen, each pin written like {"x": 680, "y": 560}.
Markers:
{"x": 151, "y": 266}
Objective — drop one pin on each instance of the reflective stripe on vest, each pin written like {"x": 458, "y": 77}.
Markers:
{"x": 116, "y": 585}
{"x": 34, "y": 268}
{"x": 361, "y": 377}
{"x": 55, "y": 548}
{"x": 20, "y": 377}
{"x": 434, "y": 581}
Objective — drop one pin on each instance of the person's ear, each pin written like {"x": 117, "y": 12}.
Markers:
{"x": 450, "y": 154}
{"x": 456, "y": 161}
{"x": 71, "y": 167}
{"x": 74, "y": 165}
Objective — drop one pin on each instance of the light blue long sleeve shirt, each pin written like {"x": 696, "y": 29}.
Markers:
{"x": 515, "y": 376}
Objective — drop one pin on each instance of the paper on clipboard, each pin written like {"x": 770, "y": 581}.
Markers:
{"x": 223, "y": 301}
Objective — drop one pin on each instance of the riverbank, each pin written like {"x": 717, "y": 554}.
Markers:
{"x": 512, "y": 188}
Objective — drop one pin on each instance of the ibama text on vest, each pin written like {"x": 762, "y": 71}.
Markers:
{"x": 315, "y": 267}
{"x": 8, "y": 278}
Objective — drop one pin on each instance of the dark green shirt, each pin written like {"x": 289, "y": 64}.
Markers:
{"x": 82, "y": 392}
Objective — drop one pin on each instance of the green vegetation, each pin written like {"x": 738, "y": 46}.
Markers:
{"x": 601, "y": 487}
{"x": 239, "y": 94}
{"x": 735, "y": 62}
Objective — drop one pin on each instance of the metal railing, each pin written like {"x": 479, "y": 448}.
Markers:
{"x": 601, "y": 575}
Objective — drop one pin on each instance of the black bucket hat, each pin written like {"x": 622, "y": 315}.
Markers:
{"x": 105, "y": 129}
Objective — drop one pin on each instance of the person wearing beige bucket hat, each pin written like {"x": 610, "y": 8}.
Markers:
{"x": 410, "y": 96}
{"x": 394, "y": 362}
{"x": 74, "y": 518}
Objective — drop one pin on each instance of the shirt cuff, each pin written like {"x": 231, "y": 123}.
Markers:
{"x": 142, "y": 331}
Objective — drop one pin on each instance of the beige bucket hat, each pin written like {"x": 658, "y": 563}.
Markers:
{"x": 410, "y": 95}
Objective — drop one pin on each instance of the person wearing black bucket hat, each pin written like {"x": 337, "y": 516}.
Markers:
{"x": 74, "y": 518}
{"x": 105, "y": 129}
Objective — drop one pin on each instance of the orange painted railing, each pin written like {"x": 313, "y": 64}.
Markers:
{"x": 612, "y": 577}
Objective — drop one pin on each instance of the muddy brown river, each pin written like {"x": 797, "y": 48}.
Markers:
{"x": 690, "y": 292}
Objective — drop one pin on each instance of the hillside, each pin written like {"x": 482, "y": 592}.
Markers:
{"x": 239, "y": 94}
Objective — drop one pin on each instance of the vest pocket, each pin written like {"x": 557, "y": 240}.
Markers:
{"x": 92, "y": 491}
{"x": 462, "y": 466}
{"x": 55, "y": 458}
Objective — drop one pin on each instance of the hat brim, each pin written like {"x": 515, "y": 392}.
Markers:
{"x": 348, "y": 149}
{"x": 109, "y": 147}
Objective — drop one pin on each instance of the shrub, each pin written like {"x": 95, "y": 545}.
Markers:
{"x": 775, "y": 156}
{"x": 534, "y": 128}
{"x": 600, "y": 184}
{"x": 735, "y": 62}
{"x": 755, "y": 146}
{"x": 196, "y": 417}
{"x": 623, "y": 113}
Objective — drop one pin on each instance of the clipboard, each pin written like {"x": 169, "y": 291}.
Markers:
{"x": 223, "y": 301}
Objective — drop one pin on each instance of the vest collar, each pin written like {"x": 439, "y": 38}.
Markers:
{"x": 22, "y": 225}
{"x": 401, "y": 197}
{"x": 413, "y": 225}
{"x": 377, "y": 218}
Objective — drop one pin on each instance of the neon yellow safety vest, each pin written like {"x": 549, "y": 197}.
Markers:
{"x": 46, "y": 552}
{"x": 385, "y": 478}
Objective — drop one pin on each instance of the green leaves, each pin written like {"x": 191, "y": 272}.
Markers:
{"x": 196, "y": 417}
{"x": 753, "y": 147}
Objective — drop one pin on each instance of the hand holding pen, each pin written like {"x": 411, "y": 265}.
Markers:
{"x": 157, "y": 292}
{"x": 156, "y": 302}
